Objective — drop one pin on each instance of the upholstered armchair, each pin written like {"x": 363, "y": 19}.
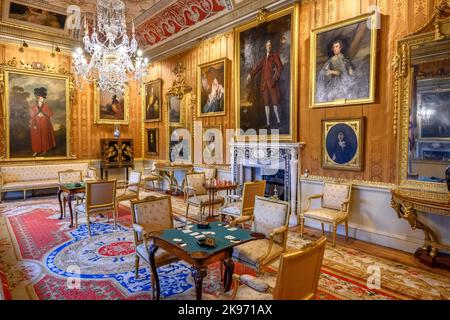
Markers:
{"x": 130, "y": 190}
{"x": 271, "y": 219}
{"x": 152, "y": 175}
{"x": 246, "y": 203}
{"x": 297, "y": 279}
{"x": 91, "y": 174}
{"x": 70, "y": 176}
{"x": 100, "y": 199}
{"x": 334, "y": 210}
{"x": 197, "y": 195}
{"x": 149, "y": 215}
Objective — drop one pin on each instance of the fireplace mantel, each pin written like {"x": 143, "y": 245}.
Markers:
{"x": 280, "y": 155}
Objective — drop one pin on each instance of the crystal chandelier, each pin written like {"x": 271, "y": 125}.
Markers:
{"x": 111, "y": 50}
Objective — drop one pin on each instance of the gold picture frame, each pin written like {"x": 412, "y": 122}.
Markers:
{"x": 156, "y": 143}
{"x": 171, "y": 110}
{"x": 157, "y": 83}
{"x": 343, "y": 144}
{"x": 206, "y": 148}
{"x": 100, "y": 115}
{"x": 241, "y": 101}
{"x": 219, "y": 70}
{"x": 43, "y": 80}
{"x": 339, "y": 35}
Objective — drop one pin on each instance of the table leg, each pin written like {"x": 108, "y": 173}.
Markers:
{"x": 60, "y": 203}
{"x": 127, "y": 172}
{"x": 106, "y": 174}
{"x": 101, "y": 173}
{"x": 198, "y": 275}
{"x": 156, "y": 290}
{"x": 229, "y": 269}
{"x": 69, "y": 203}
{"x": 212, "y": 205}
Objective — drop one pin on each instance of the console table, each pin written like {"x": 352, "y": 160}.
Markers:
{"x": 408, "y": 203}
{"x": 116, "y": 153}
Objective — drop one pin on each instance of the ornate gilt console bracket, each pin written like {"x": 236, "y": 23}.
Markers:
{"x": 407, "y": 204}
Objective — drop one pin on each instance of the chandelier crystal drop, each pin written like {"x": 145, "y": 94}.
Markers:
{"x": 110, "y": 49}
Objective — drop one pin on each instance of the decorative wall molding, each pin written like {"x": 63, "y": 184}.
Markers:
{"x": 354, "y": 182}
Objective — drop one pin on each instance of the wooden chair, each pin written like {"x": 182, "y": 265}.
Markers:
{"x": 91, "y": 174}
{"x": 334, "y": 210}
{"x": 100, "y": 199}
{"x": 297, "y": 279}
{"x": 197, "y": 195}
{"x": 70, "y": 176}
{"x": 149, "y": 215}
{"x": 130, "y": 191}
{"x": 271, "y": 219}
{"x": 247, "y": 202}
{"x": 152, "y": 175}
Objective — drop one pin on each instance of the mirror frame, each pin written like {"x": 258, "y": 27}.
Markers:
{"x": 438, "y": 28}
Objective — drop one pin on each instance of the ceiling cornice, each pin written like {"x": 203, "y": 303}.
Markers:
{"x": 243, "y": 12}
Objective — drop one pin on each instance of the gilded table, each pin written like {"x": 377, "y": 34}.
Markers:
{"x": 408, "y": 203}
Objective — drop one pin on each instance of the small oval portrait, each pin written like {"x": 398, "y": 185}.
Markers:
{"x": 341, "y": 143}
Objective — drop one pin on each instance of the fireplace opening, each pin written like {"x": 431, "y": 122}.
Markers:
{"x": 275, "y": 180}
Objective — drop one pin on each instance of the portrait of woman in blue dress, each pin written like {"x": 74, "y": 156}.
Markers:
{"x": 341, "y": 143}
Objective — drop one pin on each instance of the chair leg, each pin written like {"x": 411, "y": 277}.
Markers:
{"x": 76, "y": 219}
{"x": 64, "y": 207}
{"x": 346, "y": 230}
{"x": 115, "y": 217}
{"x": 88, "y": 225}
{"x": 334, "y": 233}
{"x": 187, "y": 209}
{"x": 302, "y": 226}
{"x": 323, "y": 228}
{"x": 136, "y": 265}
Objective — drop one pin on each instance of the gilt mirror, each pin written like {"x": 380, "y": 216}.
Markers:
{"x": 422, "y": 95}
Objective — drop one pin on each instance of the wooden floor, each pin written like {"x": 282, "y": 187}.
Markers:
{"x": 374, "y": 249}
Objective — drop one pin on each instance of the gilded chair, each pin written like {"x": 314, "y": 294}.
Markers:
{"x": 246, "y": 203}
{"x": 297, "y": 279}
{"x": 197, "y": 195}
{"x": 271, "y": 219}
{"x": 91, "y": 174}
{"x": 149, "y": 215}
{"x": 70, "y": 176}
{"x": 151, "y": 174}
{"x": 130, "y": 190}
{"x": 334, "y": 210}
{"x": 100, "y": 199}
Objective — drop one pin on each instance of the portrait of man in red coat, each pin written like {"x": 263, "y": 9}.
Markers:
{"x": 270, "y": 68}
{"x": 42, "y": 133}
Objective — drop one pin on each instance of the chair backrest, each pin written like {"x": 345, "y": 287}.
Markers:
{"x": 299, "y": 273}
{"x": 92, "y": 173}
{"x": 195, "y": 180}
{"x": 334, "y": 194}
{"x": 270, "y": 214}
{"x": 152, "y": 213}
{"x": 210, "y": 172}
{"x": 100, "y": 194}
{"x": 70, "y": 176}
{"x": 134, "y": 180}
{"x": 250, "y": 192}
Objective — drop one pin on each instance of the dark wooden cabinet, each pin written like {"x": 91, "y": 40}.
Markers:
{"x": 116, "y": 153}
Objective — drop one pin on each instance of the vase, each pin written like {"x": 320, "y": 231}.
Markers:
{"x": 116, "y": 131}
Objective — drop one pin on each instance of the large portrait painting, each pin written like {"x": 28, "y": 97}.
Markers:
{"x": 152, "y": 100}
{"x": 180, "y": 146}
{"x": 343, "y": 58}
{"x": 266, "y": 74}
{"x": 152, "y": 141}
{"x": 212, "y": 88}
{"x": 343, "y": 144}
{"x": 110, "y": 107}
{"x": 37, "y": 115}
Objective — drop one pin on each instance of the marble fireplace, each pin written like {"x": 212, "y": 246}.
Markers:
{"x": 277, "y": 163}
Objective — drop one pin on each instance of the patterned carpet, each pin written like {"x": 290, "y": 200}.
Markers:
{"x": 39, "y": 256}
